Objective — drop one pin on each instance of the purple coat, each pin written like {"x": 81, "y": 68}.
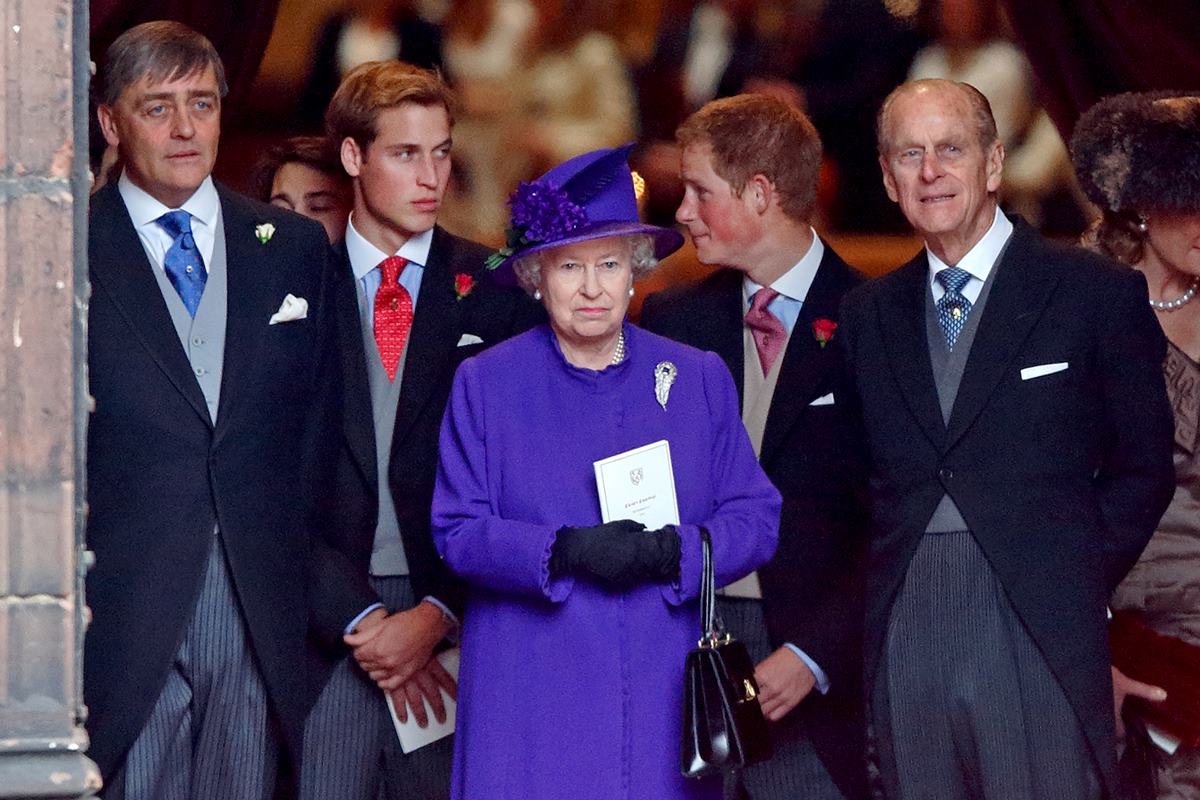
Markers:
{"x": 568, "y": 689}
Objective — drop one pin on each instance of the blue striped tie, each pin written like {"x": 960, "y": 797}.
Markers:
{"x": 183, "y": 262}
{"x": 953, "y": 307}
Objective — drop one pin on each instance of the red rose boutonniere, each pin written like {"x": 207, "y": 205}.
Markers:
{"x": 823, "y": 330}
{"x": 463, "y": 284}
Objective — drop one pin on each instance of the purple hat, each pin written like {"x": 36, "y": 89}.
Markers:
{"x": 587, "y": 197}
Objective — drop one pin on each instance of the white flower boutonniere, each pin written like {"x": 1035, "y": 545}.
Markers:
{"x": 264, "y": 232}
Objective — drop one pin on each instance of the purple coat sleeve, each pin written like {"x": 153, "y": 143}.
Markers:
{"x": 744, "y": 522}
{"x": 480, "y": 547}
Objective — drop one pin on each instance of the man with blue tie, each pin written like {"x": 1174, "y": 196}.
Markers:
{"x": 210, "y": 358}
{"x": 412, "y": 302}
{"x": 1011, "y": 401}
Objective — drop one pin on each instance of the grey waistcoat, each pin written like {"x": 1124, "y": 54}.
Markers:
{"x": 387, "y": 553}
{"x": 203, "y": 337}
{"x": 948, "y": 368}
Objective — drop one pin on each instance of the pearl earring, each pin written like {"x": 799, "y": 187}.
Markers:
{"x": 537, "y": 294}
{"x": 631, "y": 291}
{"x": 1143, "y": 224}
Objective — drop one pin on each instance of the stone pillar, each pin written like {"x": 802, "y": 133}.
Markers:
{"x": 43, "y": 397}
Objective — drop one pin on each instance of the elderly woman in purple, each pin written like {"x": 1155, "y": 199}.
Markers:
{"x": 575, "y": 632}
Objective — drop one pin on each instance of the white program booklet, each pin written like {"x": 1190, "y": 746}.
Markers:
{"x": 413, "y": 736}
{"x": 639, "y": 484}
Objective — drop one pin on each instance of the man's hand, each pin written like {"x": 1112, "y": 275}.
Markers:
{"x": 1123, "y": 686}
{"x": 783, "y": 681}
{"x": 425, "y": 684}
{"x": 393, "y": 649}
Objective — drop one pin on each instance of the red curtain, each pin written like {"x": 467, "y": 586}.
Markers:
{"x": 1082, "y": 50}
{"x": 239, "y": 30}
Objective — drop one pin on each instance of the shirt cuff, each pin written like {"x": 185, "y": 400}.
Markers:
{"x": 452, "y": 634}
{"x": 818, "y": 673}
{"x": 354, "y": 622}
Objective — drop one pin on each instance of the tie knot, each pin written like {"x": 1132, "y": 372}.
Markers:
{"x": 176, "y": 223}
{"x": 762, "y": 298}
{"x": 953, "y": 279}
{"x": 392, "y": 266}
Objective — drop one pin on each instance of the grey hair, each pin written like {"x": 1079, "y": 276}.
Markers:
{"x": 161, "y": 51}
{"x": 642, "y": 261}
{"x": 981, "y": 111}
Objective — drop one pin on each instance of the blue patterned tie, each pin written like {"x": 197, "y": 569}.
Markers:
{"x": 183, "y": 262}
{"x": 953, "y": 307}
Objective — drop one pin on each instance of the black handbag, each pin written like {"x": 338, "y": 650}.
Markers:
{"x": 723, "y": 724}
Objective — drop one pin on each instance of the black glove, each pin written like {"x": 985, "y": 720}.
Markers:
{"x": 620, "y": 553}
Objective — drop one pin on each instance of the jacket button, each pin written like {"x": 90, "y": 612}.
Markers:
{"x": 945, "y": 473}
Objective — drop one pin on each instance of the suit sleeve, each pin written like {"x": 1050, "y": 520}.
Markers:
{"x": 1136, "y": 478}
{"x": 744, "y": 523}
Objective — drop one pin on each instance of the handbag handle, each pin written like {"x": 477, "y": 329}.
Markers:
{"x": 712, "y": 630}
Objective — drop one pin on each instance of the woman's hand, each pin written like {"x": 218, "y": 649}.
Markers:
{"x": 621, "y": 553}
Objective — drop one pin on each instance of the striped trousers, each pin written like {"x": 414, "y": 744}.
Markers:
{"x": 350, "y": 747}
{"x": 965, "y": 706}
{"x": 210, "y": 733}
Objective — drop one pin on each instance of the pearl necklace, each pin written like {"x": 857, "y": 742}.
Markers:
{"x": 619, "y": 352}
{"x": 1178, "y": 302}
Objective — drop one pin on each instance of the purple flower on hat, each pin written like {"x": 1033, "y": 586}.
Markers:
{"x": 541, "y": 212}
{"x": 544, "y": 211}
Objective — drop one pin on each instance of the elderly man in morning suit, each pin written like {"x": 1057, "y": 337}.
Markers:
{"x": 1012, "y": 403}
{"x": 750, "y": 167}
{"x": 210, "y": 358}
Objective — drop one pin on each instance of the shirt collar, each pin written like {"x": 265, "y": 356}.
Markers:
{"x": 980, "y": 259}
{"x": 365, "y": 256}
{"x": 203, "y": 205}
{"x": 796, "y": 282}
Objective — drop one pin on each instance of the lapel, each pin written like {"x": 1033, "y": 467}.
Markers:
{"x": 253, "y": 277}
{"x": 805, "y": 362}
{"x": 1019, "y": 295}
{"x": 358, "y": 422}
{"x": 118, "y": 263}
{"x": 717, "y": 324}
{"x": 434, "y": 337}
{"x": 902, "y": 324}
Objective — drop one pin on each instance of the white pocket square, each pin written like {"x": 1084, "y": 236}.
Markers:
{"x": 293, "y": 308}
{"x": 1030, "y": 373}
{"x": 823, "y": 400}
{"x": 469, "y": 338}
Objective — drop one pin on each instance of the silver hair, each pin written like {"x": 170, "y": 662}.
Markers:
{"x": 642, "y": 261}
{"x": 162, "y": 51}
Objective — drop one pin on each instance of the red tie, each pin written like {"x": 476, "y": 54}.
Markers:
{"x": 769, "y": 333}
{"x": 393, "y": 314}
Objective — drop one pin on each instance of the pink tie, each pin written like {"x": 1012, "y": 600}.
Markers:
{"x": 769, "y": 333}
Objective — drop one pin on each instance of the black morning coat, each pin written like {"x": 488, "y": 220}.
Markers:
{"x": 812, "y": 586}
{"x": 1061, "y": 478}
{"x": 160, "y": 475}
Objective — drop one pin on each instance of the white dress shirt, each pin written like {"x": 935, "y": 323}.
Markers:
{"x": 978, "y": 261}
{"x": 204, "y": 205}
